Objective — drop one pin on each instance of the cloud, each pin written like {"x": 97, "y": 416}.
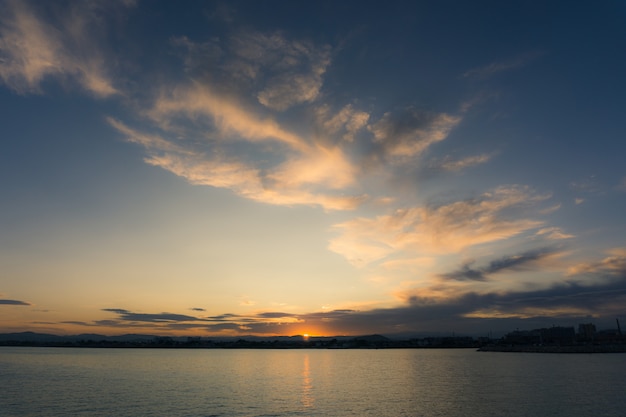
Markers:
{"x": 14, "y": 302}
{"x": 602, "y": 295}
{"x": 276, "y": 315}
{"x": 610, "y": 266}
{"x": 197, "y": 309}
{"x": 225, "y": 115}
{"x": 527, "y": 260}
{"x": 590, "y": 186}
{"x": 554, "y": 233}
{"x": 196, "y": 55}
{"x": 401, "y": 136}
{"x": 447, "y": 228}
{"x": 126, "y": 315}
{"x": 329, "y": 167}
{"x": 292, "y": 70}
{"x": 494, "y": 68}
{"x": 347, "y": 121}
{"x": 559, "y": 300}
{"x": 78, "y": 323}
{"x": 300, "y": 171}
{"x": 116, "y": 310}
{"x": 454, "y": 165}
{"x": 32, "y": 49}
{"x": 279, "y": 72}
{"x": 209, "y": 132}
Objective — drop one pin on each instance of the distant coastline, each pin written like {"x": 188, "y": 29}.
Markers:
{"x": 545, "y": 340}
{"x": 610, "y": 348}
{"x": 29, "y": 339}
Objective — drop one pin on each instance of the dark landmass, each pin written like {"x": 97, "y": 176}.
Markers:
{"x": 246, "y": 342}
{"x": 545, "y": 340}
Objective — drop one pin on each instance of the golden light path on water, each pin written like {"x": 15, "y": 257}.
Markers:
{"x": 308, "y": 401}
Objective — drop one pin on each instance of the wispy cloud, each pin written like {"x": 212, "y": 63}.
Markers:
{"x": 454, "y": 165}
{"x": 347, "y": 121}
{"x": 220, "y": 139}
{"x": 501, "y": 66}
{"x": 402, "y": 136}
{"x": 614, "y": 264}
{"x": 554, "y": 233}
{"x": 307, "y": 178}
{"x": 587, "y": 186}
{"x": 280, "y": 72}
{"x": 32, "y": 49}
{"x": 439, "y": 229}
{"x": 524, "y": 261}
{"x": 208, "y": 131}
{"x": 292, "y": 70}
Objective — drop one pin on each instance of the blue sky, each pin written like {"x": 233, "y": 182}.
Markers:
{"x": 324, "y": 167}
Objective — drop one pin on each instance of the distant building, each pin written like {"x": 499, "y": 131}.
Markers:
{"x": 586, "y": 331}
{"x": 524, "y": 337}
{"x": 558, "y": 335}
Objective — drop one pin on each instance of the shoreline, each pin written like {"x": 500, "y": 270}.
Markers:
{"x": 610, "y": 348}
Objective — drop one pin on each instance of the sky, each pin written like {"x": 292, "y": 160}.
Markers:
{"x": 330, "y": 168}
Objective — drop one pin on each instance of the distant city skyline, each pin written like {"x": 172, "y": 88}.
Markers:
{"x": 329, "y": 168}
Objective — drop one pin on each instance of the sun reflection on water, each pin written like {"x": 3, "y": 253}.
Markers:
{"x": 307, "y": 387}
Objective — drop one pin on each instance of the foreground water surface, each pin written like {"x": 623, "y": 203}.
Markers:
{"x": 393, "y": 382}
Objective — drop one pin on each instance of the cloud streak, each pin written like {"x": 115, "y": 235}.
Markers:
{"x": 527, "y": 260}
{"x": 494, "y": 68}
{"x": 440, "y": 229}
{"x": 304, "y": 179}
{"x": 32, "y": 49}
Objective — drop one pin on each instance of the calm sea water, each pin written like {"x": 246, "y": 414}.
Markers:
{"x": 404, "y": 382}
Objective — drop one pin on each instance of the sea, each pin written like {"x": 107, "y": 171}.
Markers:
{"x": 38, "y": 381}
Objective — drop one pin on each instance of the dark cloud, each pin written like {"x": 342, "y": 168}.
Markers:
{"x": 565, "y": 303}
{"x": 116, "y": 310}
{"x": 328, "y": 315}
{"x": 517, "y": 262}
{"x": 275, "y": 315}
{"x": 511, "y": 262}
{"x": 223, "y": 317}
{"x": 154, "y": 318}
{"x": 14, "y": 303}
{"x": 107, "y": 322}
{"x": 466, "y": 273}
{"x": 197, "y": 309}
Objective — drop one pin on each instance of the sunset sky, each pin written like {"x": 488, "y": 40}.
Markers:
{"x": 323, "y": 167}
